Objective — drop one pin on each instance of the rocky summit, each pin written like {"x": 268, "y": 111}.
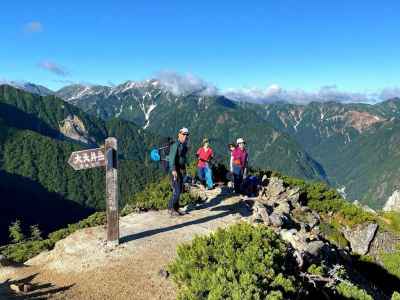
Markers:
{"x": 83, "y": 266}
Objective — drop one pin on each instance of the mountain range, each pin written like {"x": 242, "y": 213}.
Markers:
{"x": 352, "y": 146}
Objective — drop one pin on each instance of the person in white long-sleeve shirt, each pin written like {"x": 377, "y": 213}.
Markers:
{"x": 230, "y": 177}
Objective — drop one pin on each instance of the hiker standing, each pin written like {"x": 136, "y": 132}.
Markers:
{"x": 177, "y": 166}
{"x": 240, "y": 157}
{"x": 229, "y": 175}
{"x": 205, "y": 154}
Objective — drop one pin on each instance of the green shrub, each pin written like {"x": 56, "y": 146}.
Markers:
{"x": 335, "y": 236}
{"x": 391, "y": 262}
{"x": 240, "y": 262}
{"x": 15, "y": 230}
{"x": 36, "y": 234}
{"x": 23, "y": 251}
{"x": 324, "y": 199}
{"x": 392, "y": 221}
{"x": 26, "y": 249}
{"x": 396, "y": 296}
{"x": 351, "y": 291}
{"x": 155, "y": 196}
{"x": 354, "y": 214}
{"x": 317, "y": 270}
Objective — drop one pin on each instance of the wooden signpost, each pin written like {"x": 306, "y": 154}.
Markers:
{"x": 103, "y": 157}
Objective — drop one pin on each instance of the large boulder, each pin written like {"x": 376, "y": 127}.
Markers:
{"x": 360, "y": 237}
{"x": 384, "y": 242}
{"x": 304, "y": 249}
{"x": 274, "y": 189}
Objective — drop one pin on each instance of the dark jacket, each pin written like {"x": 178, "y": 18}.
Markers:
{"x": 177, "y": 156}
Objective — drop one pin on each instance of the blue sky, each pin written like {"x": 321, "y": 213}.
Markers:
{"x": 354, "y": 45}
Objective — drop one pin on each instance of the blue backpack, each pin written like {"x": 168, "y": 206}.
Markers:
{"x": 161, "y": 154}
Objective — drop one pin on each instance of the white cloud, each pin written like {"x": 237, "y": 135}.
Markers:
{"x": 389, "y": 92}
{"x": 275, "y": 93}
{"x": 53, "y": 68}
{"x": 185, "y": 84}
{"x": 33, "y": 27}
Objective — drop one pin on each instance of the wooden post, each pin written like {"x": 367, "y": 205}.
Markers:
{"x": 112, "y": 191}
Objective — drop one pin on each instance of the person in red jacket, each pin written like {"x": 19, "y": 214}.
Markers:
{"x": 239, "y": 163}
{"x": 204, "y": 155}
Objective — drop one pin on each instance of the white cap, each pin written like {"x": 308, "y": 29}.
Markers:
{"x": 239, "y": 140}
{"x": 184, "y": 130}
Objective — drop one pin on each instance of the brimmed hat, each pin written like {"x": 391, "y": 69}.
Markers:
{"x": 240, "y": 140}
{"x": 184, "y": 130}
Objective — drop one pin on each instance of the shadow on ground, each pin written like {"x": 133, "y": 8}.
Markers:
{"x": 379, "y": 276}
{"x": 213, "y": 203}
{"x": 38, "y": 290}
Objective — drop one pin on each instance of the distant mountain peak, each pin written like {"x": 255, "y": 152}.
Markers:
{"x": 28, "y": 87}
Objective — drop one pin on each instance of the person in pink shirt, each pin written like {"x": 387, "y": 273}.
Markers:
{"x": 204, "y": 155}
{"x": 239, "y": 164}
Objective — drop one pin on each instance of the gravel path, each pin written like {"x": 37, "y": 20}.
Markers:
{"x": 82, "y": 266}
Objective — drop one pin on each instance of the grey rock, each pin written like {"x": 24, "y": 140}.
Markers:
{"x": 361, "y": 237}
{"x": 288, "y": 235}
{"x": 293, "y": 191}
{"x": 384, "y": 242}
{"x": 275, "y": 188}
{"x": 163, "y": 273}
{"x": 314, "y": 248}
{"x": 305, "y": 208}
{"x": 294, "y": 199}
{"x": 198, "y": 193}
{"x": 313, "y": 219}
{"x": 283, "y": 208}
{"x": 276, "y": 219}
{"x": 27, "y": 287}
{"x": 260, "y": 213}
{"x": 17, "y": 288}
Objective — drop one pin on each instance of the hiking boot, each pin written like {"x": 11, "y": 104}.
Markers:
{"x": 174, "y": 213}
{"x": 182, "y": 212}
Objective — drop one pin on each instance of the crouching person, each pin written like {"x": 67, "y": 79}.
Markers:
{"x": 177, "y": 166}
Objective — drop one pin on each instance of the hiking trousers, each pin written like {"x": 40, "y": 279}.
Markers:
{"x": 237, "y": 178}
{"x": 177, "y": 186}
{"x": 205, "y": 174}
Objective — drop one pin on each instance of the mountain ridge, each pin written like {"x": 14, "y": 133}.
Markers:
{"x": 324, "y": 130}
